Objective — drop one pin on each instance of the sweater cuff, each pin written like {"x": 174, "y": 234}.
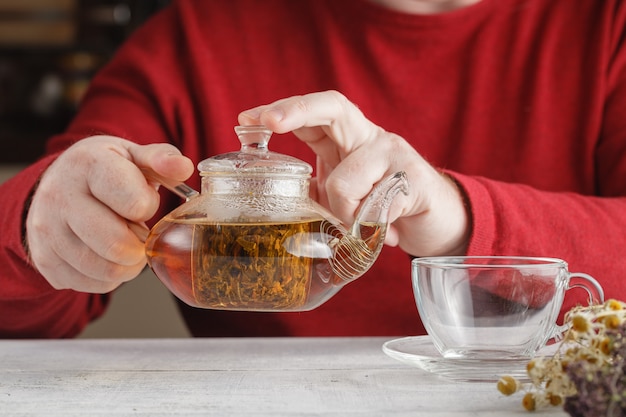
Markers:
{"x": 33, "y": 172}
{"x": 19, "y": 278}
{"x": 482, "y": 214}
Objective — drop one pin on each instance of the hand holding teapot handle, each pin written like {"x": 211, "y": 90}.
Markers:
{"x": 354, "y": 154}
{"x": 85, "y": 225}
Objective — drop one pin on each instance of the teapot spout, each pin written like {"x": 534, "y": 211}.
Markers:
{"x": 356, "y": 252}
{"x": 375, "y": 210}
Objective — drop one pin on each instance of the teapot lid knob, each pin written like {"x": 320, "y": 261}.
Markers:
{"x": 256, "y": 137}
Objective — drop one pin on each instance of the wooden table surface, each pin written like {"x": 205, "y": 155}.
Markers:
{"x": 232, "y": 377}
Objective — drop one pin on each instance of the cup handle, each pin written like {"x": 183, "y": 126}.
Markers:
{"x": 589, "y": 284}
{"x": 594, "y": 291}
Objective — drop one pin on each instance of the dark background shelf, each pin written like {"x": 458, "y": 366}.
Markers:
{"x": 49, "y": 50}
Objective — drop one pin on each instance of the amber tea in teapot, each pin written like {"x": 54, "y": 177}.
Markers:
{"x": 251, "y": 266}
{"x": 254, "y": 240}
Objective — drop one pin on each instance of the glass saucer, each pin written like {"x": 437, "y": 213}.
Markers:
{"x": 420, "y": 351}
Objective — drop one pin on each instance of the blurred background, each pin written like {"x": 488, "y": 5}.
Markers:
{"x": 49, "y": 50}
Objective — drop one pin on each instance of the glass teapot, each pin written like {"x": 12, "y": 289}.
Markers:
{"x": 253, "y": 239}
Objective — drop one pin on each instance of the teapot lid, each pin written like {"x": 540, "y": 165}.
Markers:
{"x": 254, "y": 157}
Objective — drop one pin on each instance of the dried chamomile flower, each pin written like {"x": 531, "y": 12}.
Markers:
{"x": 508, "y": 385}
{"x": 587, "y": 373}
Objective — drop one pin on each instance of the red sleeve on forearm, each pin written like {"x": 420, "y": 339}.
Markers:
{"x": 516, "y": 219}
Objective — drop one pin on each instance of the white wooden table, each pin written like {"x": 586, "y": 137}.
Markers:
{"x": 231, "y": 377}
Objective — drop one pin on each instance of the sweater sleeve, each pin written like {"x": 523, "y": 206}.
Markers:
{"x": 585, "y": 231}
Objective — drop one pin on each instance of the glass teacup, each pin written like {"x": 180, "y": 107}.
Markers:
{"x": 494, "y": 307}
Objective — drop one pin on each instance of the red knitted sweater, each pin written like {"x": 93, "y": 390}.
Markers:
{"x": 523, "y": 101}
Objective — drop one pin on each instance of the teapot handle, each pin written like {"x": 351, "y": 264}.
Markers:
{"x": 179, "y": 188}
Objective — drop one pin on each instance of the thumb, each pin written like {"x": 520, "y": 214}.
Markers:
{"x": 161, "y": 162}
